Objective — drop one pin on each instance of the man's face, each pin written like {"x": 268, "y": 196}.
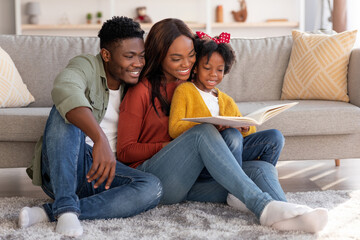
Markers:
{"x": 124, "y": 62}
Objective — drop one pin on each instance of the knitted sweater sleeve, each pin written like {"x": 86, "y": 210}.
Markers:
{"x": 132, "y": 113}
{"x": 181, "y": 104}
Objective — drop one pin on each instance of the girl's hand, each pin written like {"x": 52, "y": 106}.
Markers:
{"x": 221, "y": 128}
{"x": 244, "y": 129}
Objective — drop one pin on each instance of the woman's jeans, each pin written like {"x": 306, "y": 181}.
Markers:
{"x": 66, "y": 159}
{"x": 179, "y": 164}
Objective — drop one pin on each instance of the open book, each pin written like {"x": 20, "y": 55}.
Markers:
{"x": 253, "y": 119}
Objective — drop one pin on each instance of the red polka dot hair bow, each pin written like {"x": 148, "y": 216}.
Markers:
{"x": 224, "y": 37}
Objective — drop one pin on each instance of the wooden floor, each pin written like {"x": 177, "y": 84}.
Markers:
{"x": 295, "y": 176}
{"x": 317, "y": 175}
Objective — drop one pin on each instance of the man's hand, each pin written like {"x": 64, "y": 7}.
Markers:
{"x": 104, "y": 164}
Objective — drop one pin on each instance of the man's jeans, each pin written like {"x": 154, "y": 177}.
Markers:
{"x": 179, "y": 164}
{"x": 66, "y": 159}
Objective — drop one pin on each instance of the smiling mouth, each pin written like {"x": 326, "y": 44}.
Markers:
{"x": 186, "y": 71}
{"x": 135, "y": 73}
{"x": 212, "y": 82}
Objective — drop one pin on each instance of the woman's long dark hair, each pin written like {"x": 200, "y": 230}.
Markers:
{"x": 157, "y": 44}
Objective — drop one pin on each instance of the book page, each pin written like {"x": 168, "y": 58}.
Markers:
{"x": 263, "y": 114}
{"x": 255, "y": 118}
{"x": 225, "y": 121}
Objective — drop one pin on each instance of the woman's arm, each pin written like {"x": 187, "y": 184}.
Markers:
{"x": 130, "y": 127}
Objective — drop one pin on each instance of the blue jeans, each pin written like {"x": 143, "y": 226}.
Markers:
{"x": 179, "y": 164}
{"x": 66, "y": 159}
{"x": 264, "y": 145}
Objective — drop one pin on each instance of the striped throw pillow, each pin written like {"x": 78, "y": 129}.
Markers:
{"x": 13, "y": 92}
{"x": 318, "y": 66}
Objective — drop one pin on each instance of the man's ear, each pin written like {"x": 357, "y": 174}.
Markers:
{"x": 105, "y": 54}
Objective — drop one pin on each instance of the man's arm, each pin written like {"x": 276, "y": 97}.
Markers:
{"x": 104, "y": 162}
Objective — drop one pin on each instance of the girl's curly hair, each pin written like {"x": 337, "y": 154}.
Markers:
{"x": 206, "y": 47}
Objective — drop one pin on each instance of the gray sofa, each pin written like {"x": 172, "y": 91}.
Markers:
{"x": 312, "y": 129}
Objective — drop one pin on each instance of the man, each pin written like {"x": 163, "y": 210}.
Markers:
{"x": 75, "y": 160}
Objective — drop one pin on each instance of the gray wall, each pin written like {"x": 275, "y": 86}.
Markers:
{"x": 7, "y": 17}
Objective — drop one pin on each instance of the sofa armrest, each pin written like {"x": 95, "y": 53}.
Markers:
{"x": 354, "y": 77}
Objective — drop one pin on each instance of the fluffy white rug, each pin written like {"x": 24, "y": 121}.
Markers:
{"x": 195, "y": 221}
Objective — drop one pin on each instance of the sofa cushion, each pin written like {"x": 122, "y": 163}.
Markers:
{"x": 40, "y": 58}
{"x": 13, "y": 92}
{"x": 259, "y": 69}
{"x": 22, "y": 124}
{"x": 318, "y": 66}
{"x": 310, "y": 117}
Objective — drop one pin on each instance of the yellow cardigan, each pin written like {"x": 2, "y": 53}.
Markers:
{"x": 187, "y": 102}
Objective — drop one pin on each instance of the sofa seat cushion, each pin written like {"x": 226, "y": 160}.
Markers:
{"x": 22, "y": 124}
{"x": 310, "y": 117}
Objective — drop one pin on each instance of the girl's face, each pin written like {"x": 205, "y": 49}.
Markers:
{"x": 179, "y": 59}
{"x": 209, "y": 74}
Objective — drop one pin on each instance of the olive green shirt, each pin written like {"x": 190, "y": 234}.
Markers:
{"x": 81, "y": 84}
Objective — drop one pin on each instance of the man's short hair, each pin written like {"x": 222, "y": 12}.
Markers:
{"x": 117, "y": 29}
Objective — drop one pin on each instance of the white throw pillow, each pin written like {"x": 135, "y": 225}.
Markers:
{"x": 13, "y": 92}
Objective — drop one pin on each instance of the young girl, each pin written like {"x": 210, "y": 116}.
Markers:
{"x": 201, "y": 98}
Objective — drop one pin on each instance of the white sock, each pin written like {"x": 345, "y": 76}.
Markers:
{"x": 312, "y": 222}
{"x": 236, "y": 203}
{"x": 277, "y": 211}
{"x": 68, "y": 224}
{"x": 30, "y": 216}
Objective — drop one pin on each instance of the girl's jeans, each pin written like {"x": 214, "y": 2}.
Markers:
{"x": 264, "y": 145}
{"x": 66, "y": 159}
{"x": 179, "y": 164}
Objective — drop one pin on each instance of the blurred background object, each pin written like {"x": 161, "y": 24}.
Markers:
{"x": 241, "y": 15}
{"x": 33, "y": 11}
{"x": 142, "y": 17}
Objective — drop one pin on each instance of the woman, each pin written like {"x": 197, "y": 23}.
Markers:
{"x": 144, "y": 143}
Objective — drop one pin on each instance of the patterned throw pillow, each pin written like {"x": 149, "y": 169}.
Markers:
{"x": 13, "y": 92}
{"x": 318, "y": 66}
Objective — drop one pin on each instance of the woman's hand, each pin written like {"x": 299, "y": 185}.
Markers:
{"x": 165, "y": 143}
